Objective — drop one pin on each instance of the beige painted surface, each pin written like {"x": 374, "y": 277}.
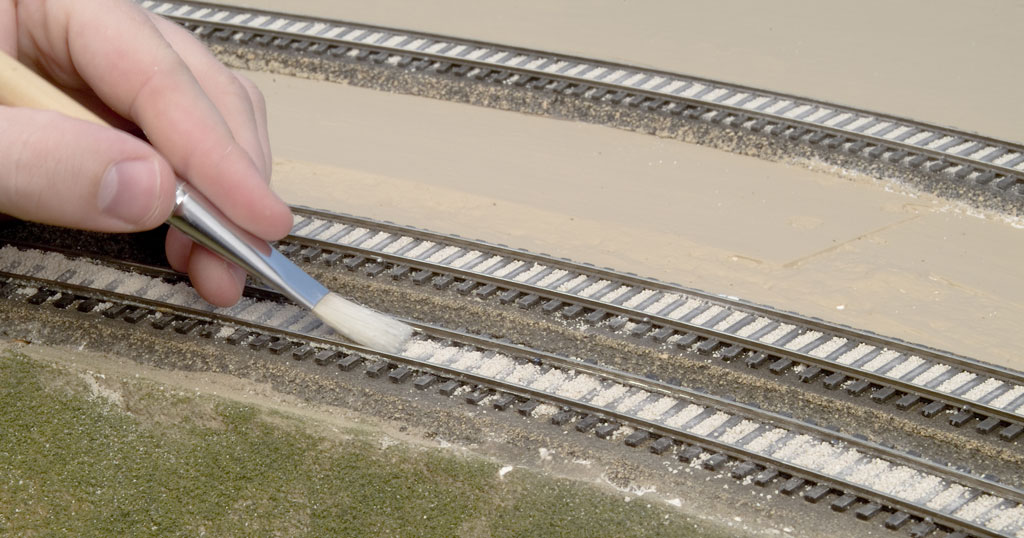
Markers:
{"x": 942, "y": 61}
{"x": 842, "y": 248}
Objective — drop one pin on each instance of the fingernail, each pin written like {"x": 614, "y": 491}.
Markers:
{"x": 129, "y": 190}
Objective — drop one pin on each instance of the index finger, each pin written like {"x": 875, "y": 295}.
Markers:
{"x": 134, "y": 70}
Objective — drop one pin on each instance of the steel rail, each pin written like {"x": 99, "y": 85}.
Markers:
{"x": 739, "y": 115}
{"x": 625, "y": 378}
{"x": 993, "y": 371}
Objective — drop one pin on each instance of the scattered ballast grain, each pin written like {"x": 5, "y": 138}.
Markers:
{"x": 353, "y": 235}
{"x": 793, "y": 447}
{"x": 684, "y": 308}
{"x": 855, "y": 354}
{"x": 496, "y": 366}
{"x": 685, "y": 415}
{"x": 376, "y": 240}
{"x": 753, "y": 327}
{"x": 436, "y": 47}
{"x": 444, "y": 355}
{"x": 325, "y": 235}
{"x": 595, "y": 73}
{"x": 706, "y": 315}
{"x": 576, "y": 69}
{"x": 545, "y": 410}
{"x": 922, "y": 489}
{"x": 975, "y": 508}
{"x": 594, "y": 288}
{"x": 579, "y": 386}
{"x": 283, "y": 314}
{"x": 556, "y": 66}
{"x": 766, "y": 441}
{"x": 918, "y": 137}
{"x": 737, "y": 432}
{"x": 803, "y": 340}
{"x": 508, "y": 268}
{"x": 709, "y": 424}
{"x": 730, "y": 320}
{"x": 858, "y": 123}
{"x": 978, "y": 154}
{"x": 779, "y": 332}
{"x": 486, "y": 265}
{"x": 182, "y": 293}
{"x": 1005, "y": 398}
{"x": 418, "y": 249}
{"x": 828, "y": 347}
{"x": 638, "y": 298}
{"x": 693, "y": 90}
{"x": 572, "y": 283}
{"x": 880, "y": 360}
{"x": 801, "y": 449}
{"x": 868, "y": 472}
{"x": 955, "y": 382}
{"x": 467, "y": 359}
{"x": 953, "y": 492}
{"x": 815, "y": 454}
{"x": 844, "y": 462}
{"x": 524, "y": 374}
{"x": 611, "y": 297}
{"x": 133, "y": 284}
{"x": 905, "y": 367}
{"x": 1005, "y": 158}
{"x": 254, "y": 312}
{"x": 654, "y": 81}
{"x": 551, "y": 378}
{"x": 398, "y": 244}
{"x": 930, "y": 374}
{"x": 529, "y": 273}
{"x": 466, "y": 258}
{"x": 443, "y": 254}
{"x": 608, "y": 395}
{"x": 662, "y": 303}
{"x": 981, "y": 390}
{"x": 27, "y": 291}
{"x": 1006, "y": 519}
{"x": 630, "y": 402}
{"x": 658, "y": 408}
{"x": 898, "y": 480}
{"x": 551, "y": 278}
{"x": 310, "y": 226}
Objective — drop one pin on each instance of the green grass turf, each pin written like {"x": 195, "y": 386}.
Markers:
{"x": 175, "y": 464}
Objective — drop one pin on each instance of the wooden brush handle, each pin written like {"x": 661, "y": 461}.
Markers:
{"x": 22, "y": 87}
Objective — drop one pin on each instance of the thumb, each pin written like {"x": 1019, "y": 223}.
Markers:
{"x": 69, "y": 172}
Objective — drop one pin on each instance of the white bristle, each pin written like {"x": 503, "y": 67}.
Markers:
{"x": 362, "y": 325}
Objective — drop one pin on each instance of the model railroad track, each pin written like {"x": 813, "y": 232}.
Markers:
{"x": 751, "y": 445}
{"x": 956, "y": 156}
{"x": 910, "y": 377}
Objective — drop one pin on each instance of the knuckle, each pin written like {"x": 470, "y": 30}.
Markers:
{"x": 21, "y": 172}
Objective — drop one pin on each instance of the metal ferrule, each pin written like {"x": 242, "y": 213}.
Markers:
{"x": 200, "y": 220}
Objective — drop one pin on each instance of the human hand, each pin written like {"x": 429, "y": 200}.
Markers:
{"x": 139, "y": 72}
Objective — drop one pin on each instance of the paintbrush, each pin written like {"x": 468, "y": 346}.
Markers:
{"x": 205, "y": 224}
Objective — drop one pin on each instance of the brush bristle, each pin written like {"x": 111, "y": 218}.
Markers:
{"x": 362, "y": 325}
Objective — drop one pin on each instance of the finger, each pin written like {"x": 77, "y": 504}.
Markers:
{"x": 225, "y": 90}
{"x": 138, "y": 74}
{"x": 8, "y": 28}
{"x": 259, "y": 106}
{"x": 69, "y": 172}
{"x": 178, "y": 248}
{"x": 218, "y": 281}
